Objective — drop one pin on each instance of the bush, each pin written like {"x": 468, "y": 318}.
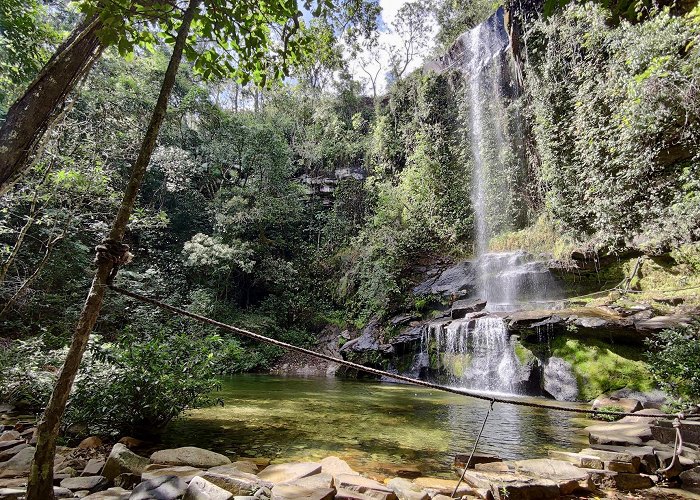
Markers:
{"x": 135, "y": 386}
{"x": 674, "y": 361}
{"x": 608, "y": 418}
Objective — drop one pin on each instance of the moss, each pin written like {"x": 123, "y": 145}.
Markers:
{"x": 456, "y": 364}
{"x": 525, "y": 355}
{"x": 600, "y": 367}
{"x": 543, "y": 237}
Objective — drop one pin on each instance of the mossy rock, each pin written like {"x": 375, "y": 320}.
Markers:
{"x": 600, "y": 367}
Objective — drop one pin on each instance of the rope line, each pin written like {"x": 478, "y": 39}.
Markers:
{"x": 471, "y": 455}
{"x": 374, "y": 371}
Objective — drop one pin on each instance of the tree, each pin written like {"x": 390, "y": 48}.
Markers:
{"x": 412, "y": 25}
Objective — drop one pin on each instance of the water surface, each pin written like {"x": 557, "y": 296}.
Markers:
{"x": 379, "y": 428}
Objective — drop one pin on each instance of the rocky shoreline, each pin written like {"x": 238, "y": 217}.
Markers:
{"x": 624, "y": 458}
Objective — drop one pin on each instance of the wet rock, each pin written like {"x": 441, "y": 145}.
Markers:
{"x": 93, "y": 467}
{"x": 578, "y": 459}
{"x": 293, "y": 492}
{"x": 335, "y": 466}
{"x": 479, "y": 458}
{"x": 90, "y": 443}
{"x": 11, "y": 452}
{"x": 89, "y": 483}
{"x": 11, "y": 435}
{"x": 201, "y": 489}
{"x": 189, "y": 455}
{"x": 461, "y": 308}
{"x": 408, "y": 472}
{"x": 409, "y": 335}
{"x": 365, "y": 342}
{"x": 364, "y": 485}
{"x": 18, "y": 465}
{"x": 528, "y": 320}
{"x": 402, "y": 319}
{"x": 457, "y": 280}
{"x": 161, "y": 488}
{"x": 121, "y": 460}
{"x": 184, "y": 472}
{"x": 110, "y": 494}
{"x": 240, "y": 484}
{"x": 407, "y": 490}
{"x": 628, "y": 405}
{"x": 512, "y": 486}
{"x": 559, "y": 380}
{"x": 280, "y": 473}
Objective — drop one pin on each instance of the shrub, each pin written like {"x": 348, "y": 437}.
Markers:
{"x": 608, "y": 418}
{"x": 674, "y": 361}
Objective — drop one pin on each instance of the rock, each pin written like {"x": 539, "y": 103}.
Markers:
{"x": 646, "y": 455}
{"x": 9, "y": 436}
{"x": 343, "y": 494}
{"x": 93, "y": 467}
{"x": 13, "y": 483}
{"x": 365, "y": 342}
{"x": 6, "y": 445}
{"x": 189, "y": 455}
{"x": 160, "y": 488}
{"x": 232, "y": 468}
{"x": 240, "y": 484}
{"x": 662, "y": 323}
{"x": 366, "y": 486}
{"x": 293, "y": 492}
{"x": 280, "y": 473}
{"x": 442, "y": 486}
{"x": 620, "y": 480}
{"x": 407, "y": 490}
{"x": 568, "y": 477}
{"x": 559, "y": 380}
{"x": 578, "y": 459}
{"x": 335, "y": 466}
{"x": 512, "y": 486}
{"x": 201, "y": 489}
{"x": 402, "y": 319}
{"x": 619, "y": 457}
{"x": 478, "y": 458}
{"x": 641, "y": 416}
{"x": 90, "y": 483}
{"x": 408, "y": 471}
{"x": 664, "y": 432}
{"x": 628, "y": 405}
{"x": 110, "y": 494}
{"x": 11, "y": 452}
{"x": 317, "y": 481}
{"x": 131, "y": 442}
{"x": 616, "y": 433}
{"x": 127, "y": 480}
{"x": 184, "y": 472}
{"x": 17, "y": 465}
{"x": 90, "y": 443}
{"x": 461, "y": 308}
{"x": 20, "y": 493}
{"x": 457, "y": 280}
{"x": 408, "y": 335}
{"x": 121, "y": 460}
{"x": 691, "y": 478}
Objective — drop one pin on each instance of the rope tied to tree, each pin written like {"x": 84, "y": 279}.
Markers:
{"x": 114, "y": 252}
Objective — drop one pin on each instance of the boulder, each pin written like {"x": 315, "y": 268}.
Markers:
{"x": 455, "y": 281}
{"x": 233, "y": 468}
{"x": 619, "y": 480}
{"x": 280, "y": 473}
{"x": 578, "y": 459}
{"x": 189, "y": 455}
{"x": 617, "y": 458}
{"x": 90, "y": 443}
{"x": 121, "y": 460}
{"x": 294, "y": 492}
{"x": 93, "y": 467}
{"x": 335, "y": 466}
{"x": 461, "y": 308}
{"x": 184, "y": 472}
{"x": 201, "y": 489}
{"x": 131, "y": 442}
{"x": 160, "y": 488}
{"x": 567, "y": 477}
{"x": 364, "y": 485}
{"x": 641, "y": 416}
{"x": 367, "y": 341}
{"x": 502, "y": 485}
{"x": 628, "y": 405}
{"x": 19, "y": 493}
{"x": 407, "y": 490}
{"x": 559, "y": 380}
{"x": 110, "y": 494}
{"x": 435, "y": 486}
{"x": 690, "y": 479}
{"x": 6, "y": 445}
{"x": 127, "y": 480}
{"x": 11, "y": 452}
{"x": 646, "y": 455}
{"x": 18, "y": 465}
{"x": 344, "y": 494}
{"x": 240, "y": 484}
{"x": 622, "y": 434}
{"x": 478, "y": 458}
{"x": 89, "y": 483}
{"x": 10, "y": 435}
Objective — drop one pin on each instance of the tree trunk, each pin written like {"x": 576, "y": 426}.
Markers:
{"x": 31, "y": 115}
{"x": 41, "y": 474}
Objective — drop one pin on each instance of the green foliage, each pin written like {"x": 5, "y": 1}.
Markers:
{"x": 674, "y": 361}
{"x": 609, "y": 418}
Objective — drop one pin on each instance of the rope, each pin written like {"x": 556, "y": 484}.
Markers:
{"x": 471, "y": 455}
{"x": 116, "y": 252}
{"x": 677, "y": 447}
{"x": 374, "y": 371}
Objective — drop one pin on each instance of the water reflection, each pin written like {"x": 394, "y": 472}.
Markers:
{"x": 377, "y": 427}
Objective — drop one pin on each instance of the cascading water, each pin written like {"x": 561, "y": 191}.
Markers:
{"x": 477, "y": 352}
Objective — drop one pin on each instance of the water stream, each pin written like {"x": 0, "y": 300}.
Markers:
{"x": 378, "y": 428}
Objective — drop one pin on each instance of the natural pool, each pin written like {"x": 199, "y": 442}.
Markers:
{"x": 378, "y": 428}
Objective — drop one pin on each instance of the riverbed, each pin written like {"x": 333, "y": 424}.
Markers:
{"x": 379, "y": 428}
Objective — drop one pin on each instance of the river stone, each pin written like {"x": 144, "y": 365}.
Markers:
{"x": 512, "y": 486}
{"x": 189, "y": 455}
{"x": 620, "y": 480}
{"x": 93, "y": 467}
{"x": 559, "y": 380}
{"x": 184, "y": 472}
{"x": 317, "y": 481}
{"x": 11, "y": 452}
{"x": 407, "y": 490}
{"x": 641, "y": 416}
{"x": 364, "y": 485}
{"x": 201, "y": 489}
{"x": 18, "y": 465}
{"x": 6, "y": 445}
{"x": 160, "y": 488}
{"x": 628, "y": 405}
{"x": 335, "y": 466}
{"x": 578, "y": 459}
{"x": 110, "y": 494}
{"x": 233, "y": 468}
{"x": 479, "y": 458}
{"x": 649, "y": 462}
{"x": 127, "y": 480}
{"x": 280, "y": 473}
{"x": 239, "y": 484}
{"x": 620, "y": 456}
{"x": 121, "y": 460}
{"x": 443, "y": 486}
{"x": 20, "y": 493}
{"x": 10, "y": 435}
{"x": 343, "y": 494}
{"x": 461, "y": 308}
{"x": 90, "y": 483}
{"x": 616, "y": 433}
{"x": 293, "y": 492}
{"x": 567, "y": 476}
{"x": 90, "y": 443}
{"x": 691, "y": 478}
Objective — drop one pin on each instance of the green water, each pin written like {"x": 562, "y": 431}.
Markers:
{"x": 378, "y": 428}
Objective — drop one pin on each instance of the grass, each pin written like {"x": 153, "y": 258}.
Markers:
{"x": 540, "y": 238}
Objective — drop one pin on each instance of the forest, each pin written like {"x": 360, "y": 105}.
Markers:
{"x": 316, "y": 173}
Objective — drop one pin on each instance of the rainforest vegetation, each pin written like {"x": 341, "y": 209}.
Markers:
{"x": 285, "y": 198}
